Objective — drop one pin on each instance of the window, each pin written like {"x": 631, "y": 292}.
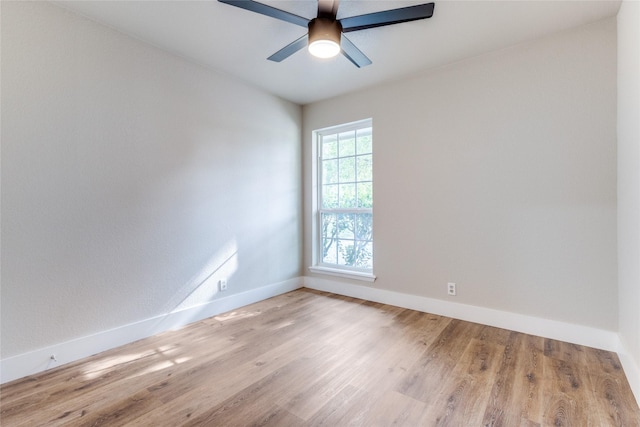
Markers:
{"x": 344, "y": 214}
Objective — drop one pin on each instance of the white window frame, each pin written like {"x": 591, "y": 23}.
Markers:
{"x": 318, "y": 266}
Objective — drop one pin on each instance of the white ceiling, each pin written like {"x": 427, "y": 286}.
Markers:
{"x": 237, "y": 42}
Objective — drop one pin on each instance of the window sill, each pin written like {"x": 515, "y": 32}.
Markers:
{"x": 347, "y": 274}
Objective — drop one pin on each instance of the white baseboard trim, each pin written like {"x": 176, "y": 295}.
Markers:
{"x": 631, "y": 370}
{"x": 576, "y": 334}
{"x": 33, "y": 362}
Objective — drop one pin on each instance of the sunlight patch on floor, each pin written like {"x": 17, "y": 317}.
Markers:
{"x": 162, "y": 365}
{"x": 234, "y": 315}
{"x": 103, "y": 365}
{"x": 285, "y": 324}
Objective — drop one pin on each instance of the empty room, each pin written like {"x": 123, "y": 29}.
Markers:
{"x": 320, "y": 212}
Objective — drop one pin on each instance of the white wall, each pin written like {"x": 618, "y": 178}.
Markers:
{"x": 497, "y": 173}
{"x": 629, "y": 186}
{"x": 132, "y": 180}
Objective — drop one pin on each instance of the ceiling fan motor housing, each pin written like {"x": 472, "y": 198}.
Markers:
{"x": 324, "y": 29}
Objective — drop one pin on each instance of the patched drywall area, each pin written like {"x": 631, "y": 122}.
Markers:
{"x": 132, "y": 181}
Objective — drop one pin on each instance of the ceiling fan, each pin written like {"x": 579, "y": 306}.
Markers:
{"x": 326, "y": 32}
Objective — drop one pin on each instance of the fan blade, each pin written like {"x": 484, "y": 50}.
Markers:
{"x": 387, "y": 17}
{"x": 289, "y": 49}
{"x": 263, "y": 9}
{"x": 353, "y": 54}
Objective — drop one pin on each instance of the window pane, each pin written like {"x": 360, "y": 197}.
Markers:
{"x": 330, "y": 147}
{"x": 346, "y": 252}
{"x": 364, "y": 227}
{"x": 330, "y": 171}
{"x": 346, "y": 226}
{"x": 347, "y": 169}
{"x": 330, "y": 251}
{"x": 364, "y": 141}
{"x": 363, "y": 256}
{"x": 347, "y": 143}
{"x": 347, "y": 196}
{"x": 329, "y": 234}
{"x": 365, "y": 195}
{"x": 364, "y": 164}
{"x": 329, "y": 225}
{"x": 330, "y": 196}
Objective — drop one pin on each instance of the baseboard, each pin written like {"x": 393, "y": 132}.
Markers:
{"x": 576, "y": 334}
{"x": 40, "y": 360}
{"x": 631, "y": 370}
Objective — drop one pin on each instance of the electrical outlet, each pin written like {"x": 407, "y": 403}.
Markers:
{"x": 223, "y": 284}
{"x": 451, "y": 289}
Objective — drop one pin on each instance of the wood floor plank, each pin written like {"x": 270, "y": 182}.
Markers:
{"x": 499, "y": 411}
{"x": 119, "y": 413}
{"x": 518, "y": 384}
{"x": 310, "y": 358}
{"x": 438, "y": 360}
{"x": 355, "y": 338}
{"x": 395, "y": 409}
{"x": 350, "y": 407}
{"x": 463, "y": 398}
{"x": 561, "y": 410}
{"x": 399, "y": 350}
{"x": 252, "y": 402}
{"x": 614, "y": 405}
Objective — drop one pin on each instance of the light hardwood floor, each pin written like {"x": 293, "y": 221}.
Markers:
{"x": 309, "y": 358}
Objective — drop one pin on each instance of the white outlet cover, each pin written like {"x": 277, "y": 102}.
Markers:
{"x": 451, "y": 288}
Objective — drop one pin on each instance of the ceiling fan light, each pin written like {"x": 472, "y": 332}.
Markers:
{"x": 324, "y": 48}
{"x": 324, "y": 37}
